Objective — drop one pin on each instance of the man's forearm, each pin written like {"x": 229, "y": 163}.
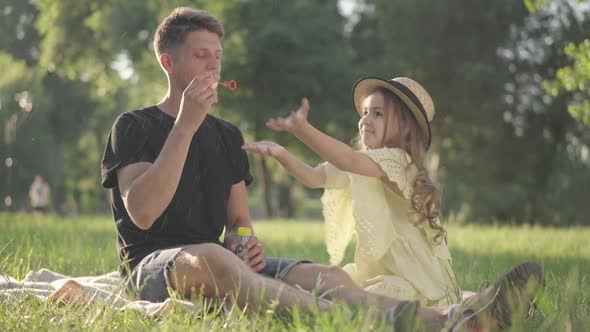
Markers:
{"x": 151, "y": 193}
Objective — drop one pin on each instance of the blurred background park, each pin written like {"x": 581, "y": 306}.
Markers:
{"x": 510, "y": 80}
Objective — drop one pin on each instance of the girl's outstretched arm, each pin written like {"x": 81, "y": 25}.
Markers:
{"x": 337, "y": 153}
{"x": 309, "y": 176}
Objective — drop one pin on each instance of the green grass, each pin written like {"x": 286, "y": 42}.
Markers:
{"x": 86, "y": 246}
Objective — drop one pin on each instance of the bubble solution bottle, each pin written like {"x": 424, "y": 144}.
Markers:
{"x": 244, "y": 235}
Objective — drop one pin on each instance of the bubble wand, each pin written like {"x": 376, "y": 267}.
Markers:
{"x": 231, "y": 85}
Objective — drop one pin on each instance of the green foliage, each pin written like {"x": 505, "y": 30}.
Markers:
{"x": 540, "y": 122}
{"x": 19, "y": 36}
{"x": 508, "y": 150}
{"x": 575, "y": 79}
{"x": 533, "y": 5}
{"x": 16, "y": 104}
{"x": 453, "y": 53}
{"x": 277, "y": 60}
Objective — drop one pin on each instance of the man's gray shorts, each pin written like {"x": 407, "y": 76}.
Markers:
{"x": 150, "y": 277}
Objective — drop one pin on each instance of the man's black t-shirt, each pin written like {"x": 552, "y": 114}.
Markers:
{"x": 198, "y": 210}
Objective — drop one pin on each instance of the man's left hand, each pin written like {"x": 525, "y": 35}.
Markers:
{"x": 255, "y": 257}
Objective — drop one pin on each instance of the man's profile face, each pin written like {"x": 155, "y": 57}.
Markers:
{"x": 200, "y": 52}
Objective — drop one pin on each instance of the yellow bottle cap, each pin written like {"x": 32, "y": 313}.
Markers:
{"x": 244, "y": 231}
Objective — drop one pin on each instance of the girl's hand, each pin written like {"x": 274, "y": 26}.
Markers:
{"x": 293, "y": 121}
{"x": 264, "y": 148}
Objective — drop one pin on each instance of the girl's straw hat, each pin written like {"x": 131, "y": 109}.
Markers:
{"x": 408, "y": 90}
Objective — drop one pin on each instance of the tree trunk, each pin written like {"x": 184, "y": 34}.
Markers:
{"x": 286, "y": 207}
{"x": 265, "y": 186}
{"x": 55, "y": 175}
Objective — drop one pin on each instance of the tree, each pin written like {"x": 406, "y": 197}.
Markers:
{"x": 43, "y": 112}
{"x": 573, "y": 79}
{"x": 98, "y": 58}
{"x": 451, "y": 48}
{"x": 277, "y": 60}
{"x": 559, "y": 165}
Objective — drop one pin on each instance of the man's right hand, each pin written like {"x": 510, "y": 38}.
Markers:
{"x": 196, "y": 101}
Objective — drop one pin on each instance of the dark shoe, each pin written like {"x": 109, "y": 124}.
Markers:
{"x": 403, "y": 317}
{"x": 512, "y": 296}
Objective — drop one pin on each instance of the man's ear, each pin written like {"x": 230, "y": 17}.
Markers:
{"x": 166, "y": 61}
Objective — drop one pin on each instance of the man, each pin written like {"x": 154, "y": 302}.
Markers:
{"x": 178, "y": 177}
{"x": 39, "y": 194}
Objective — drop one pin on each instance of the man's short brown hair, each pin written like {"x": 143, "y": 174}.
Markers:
{"x": 173, "y": 30}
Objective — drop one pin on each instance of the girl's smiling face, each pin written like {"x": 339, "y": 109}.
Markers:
{"x": 372, "y": 123}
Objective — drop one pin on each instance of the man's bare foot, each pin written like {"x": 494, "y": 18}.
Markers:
{"x": 70, "y": 293}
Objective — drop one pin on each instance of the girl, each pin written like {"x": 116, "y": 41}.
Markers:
{"x": 382, "y": 191}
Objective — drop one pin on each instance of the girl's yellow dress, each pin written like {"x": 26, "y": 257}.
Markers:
{"x": 393, "y": 257}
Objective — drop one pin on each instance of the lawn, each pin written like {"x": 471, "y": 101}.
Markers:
{"x": 86, "y": 246}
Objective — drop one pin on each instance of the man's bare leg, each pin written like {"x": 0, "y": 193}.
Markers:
{"x": 209, "y": 269}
